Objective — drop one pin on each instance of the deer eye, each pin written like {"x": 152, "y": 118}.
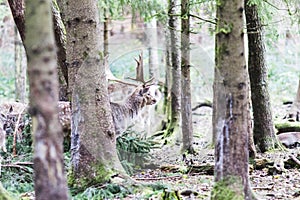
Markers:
{"x": 146, "y": 89}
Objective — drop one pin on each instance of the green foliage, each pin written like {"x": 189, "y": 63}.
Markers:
{"x": 116, "y": 9}
{"x": 17, "y": 172}
{"x": 7, "y": 87}
{"x": 133, "y": 150}
{"x": 109, "y": 191}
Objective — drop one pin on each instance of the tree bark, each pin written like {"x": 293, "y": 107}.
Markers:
{"x": 176, "y": 70}
{"x": 17, "y": 8}
{"x": 60, "y": 40}
{"x": 93, "y": 145}
{"x": 232, "y": 96}
{"x": 264, "y": 134}
{"x": 168, "y": 77}
{"x": 151, "y": 33}
{"x": 49, "y": 176}
{"x": 186, "y": 99}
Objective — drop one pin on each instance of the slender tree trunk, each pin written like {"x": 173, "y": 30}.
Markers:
{"x": 49, "y": 176}
{"x": 264, "y": 134}
{"x": 232, "y": 96}
{"x": 17, "y": 8}
{"x": 168, "y": 70}
{"x": 20, "y": 69}
{"x": 186, "y": 99}
{"x": 176, "y": 69}
{"x": 93, "y": 145}
{"x": 60, "y": 40}
{"x": 151, "y": 32}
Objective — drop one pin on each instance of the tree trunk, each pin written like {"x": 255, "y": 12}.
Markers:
{"x": 151, "y": 32}
{"x": 17, "y": 9}
{"x": 93, "y": 145}
{"x": 186, "y": 99}
{"x": 168, "y": 70}
{"x": 175, "y": 61}
{"x": 264, "y": 134}
{"x": 232, "y": 96}
{"x": 20, "y": 69}
{"x": 49, "y": 176}
{"x": 60, "y": 40}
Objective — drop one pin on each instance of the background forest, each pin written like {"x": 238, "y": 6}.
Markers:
{"x": 158, "y": 159}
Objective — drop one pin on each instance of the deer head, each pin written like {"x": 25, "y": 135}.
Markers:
{"x": 144, "y": 94}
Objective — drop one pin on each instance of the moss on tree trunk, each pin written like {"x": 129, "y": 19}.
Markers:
{"x": 93, "y": 143}
{"x": 231, "y": 93}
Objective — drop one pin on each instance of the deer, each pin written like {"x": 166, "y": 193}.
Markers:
{"x": 145, "y": 94}
{"x": 123, "y": 113}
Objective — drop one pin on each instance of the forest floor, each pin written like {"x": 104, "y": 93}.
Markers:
{"x": 183, "y": 177}
{"x": 170, "y": 175}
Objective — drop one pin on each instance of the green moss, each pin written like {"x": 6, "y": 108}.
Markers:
{"x": 228, "y": 189}
{"x": 221, "y": 51}
{"x": 80, "y": 182}
{"x": 220, "y": 3}
{"x": 286, "y": 125}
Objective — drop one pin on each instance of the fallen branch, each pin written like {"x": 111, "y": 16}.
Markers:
{"x": 158, "y": 178}
{"x": 295, "y": 159}
{"x": 20, "y": 165}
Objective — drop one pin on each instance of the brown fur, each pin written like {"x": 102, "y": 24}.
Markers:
{"x": 124, "y": 113}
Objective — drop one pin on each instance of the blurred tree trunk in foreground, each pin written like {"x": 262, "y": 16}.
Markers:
{"x": 232, "y": 102}
{"x": 264, "y": 134}
{"x": 49, "y": 179}
{"x": 93, "y": 144}
{"x": 186, "y": 99}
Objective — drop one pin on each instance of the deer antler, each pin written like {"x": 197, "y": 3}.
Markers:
{"x": 111, "y": 77}
{"x": 140, "y": 72}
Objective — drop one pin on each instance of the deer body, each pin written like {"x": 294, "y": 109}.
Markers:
{"x": 126, "y": 112}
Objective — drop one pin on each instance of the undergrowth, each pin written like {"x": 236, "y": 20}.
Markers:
{"x": 133, "y": 150}
{"x": 17, "y": 170}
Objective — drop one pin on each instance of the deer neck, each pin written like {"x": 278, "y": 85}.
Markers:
{"x": 133, "y": 105}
